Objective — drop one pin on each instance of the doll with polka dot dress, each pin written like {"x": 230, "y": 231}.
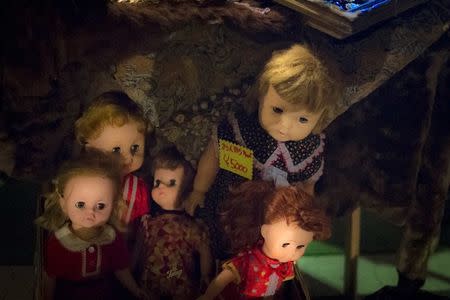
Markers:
{"x": 84, "y": 251}
{"x": 115, "y": 123}
{"x": 270, "y": 228}
{"x": 276, "y": 138}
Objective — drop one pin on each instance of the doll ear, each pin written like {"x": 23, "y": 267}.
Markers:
{"x": 264, "y": 231}
{"x": 62, "y": 203}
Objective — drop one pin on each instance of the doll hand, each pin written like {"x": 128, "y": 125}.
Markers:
{"x": 195, "y": 199}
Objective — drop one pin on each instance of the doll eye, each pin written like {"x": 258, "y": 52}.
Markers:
{"x": 100, "y": 206}
{"x": 157, "y": 183}
{"x": 80, "y": 204}
{"x": 300, "y": 246}
{"x": 303, "y": 120}
{"x": 134, "y": 149}
{"x": 116, "y": 150}
{"x": 285, "y": 245}
{"x": 172, "y": 182}
{"x": 277, "y": 110}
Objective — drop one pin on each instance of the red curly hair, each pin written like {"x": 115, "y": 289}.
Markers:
{"x": 255, "y": 203}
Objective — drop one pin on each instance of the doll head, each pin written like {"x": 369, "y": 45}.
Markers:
{"x": 285, "y": 218}
{"x": 114, "y": 123}
{"x": 293, "y": 94}
{"x": 86, "y": 193}
{"x": 173, "y": 177}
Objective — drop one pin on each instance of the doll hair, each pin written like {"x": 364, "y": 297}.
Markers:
{"x": 89, "y": 163}
{"x": 299, "y": 76}
{"x": 255, "y": 203}
{"x": 170, "y": 158}
{"x": 114, "y": 108}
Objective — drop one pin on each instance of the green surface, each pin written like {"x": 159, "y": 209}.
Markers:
{"x": 377, "y": 236}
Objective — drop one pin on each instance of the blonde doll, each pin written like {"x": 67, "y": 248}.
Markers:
{"x": 173, "y": 247}
{"x": 84, "y": 251}
{"x": 280, "y": 129}
{"x": 271, "y": 227}
{"x": 115, "y": 123}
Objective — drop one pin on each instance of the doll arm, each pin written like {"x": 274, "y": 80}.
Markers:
{"x": 218, "y": 284}
{"x": 207, "y": 169}
{"x": 125, "y": 278}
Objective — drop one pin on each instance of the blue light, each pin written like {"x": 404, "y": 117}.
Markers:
{"x": 357, "y": 5}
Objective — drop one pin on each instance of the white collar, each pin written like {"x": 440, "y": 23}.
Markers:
{"x": 70, "y": 241}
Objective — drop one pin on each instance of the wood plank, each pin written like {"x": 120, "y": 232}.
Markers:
{"x": 341, "y": 24}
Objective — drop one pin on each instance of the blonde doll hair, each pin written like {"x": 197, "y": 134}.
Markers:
{"x": 89, "y": 163}
{"x": 300, "y": 77}
{"x": 110, "y": 108}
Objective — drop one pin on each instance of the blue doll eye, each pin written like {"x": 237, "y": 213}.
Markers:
{"x": 300, "y": 246}
{"x": 172, "y": 182}
{"x": 303, "y": 120}
{"x": 285, "y": 245}
{"x": 277, "y": 110}
{"x": 80, "y": 204}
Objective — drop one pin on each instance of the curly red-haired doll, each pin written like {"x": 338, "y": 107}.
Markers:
{"x": 271, "y": 227}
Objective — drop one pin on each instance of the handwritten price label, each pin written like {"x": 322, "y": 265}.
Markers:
{"x": 236, "y": 159}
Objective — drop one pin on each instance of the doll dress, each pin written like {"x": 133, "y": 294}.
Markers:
{"x": 82, "y": 269}
{"x": 168, "y": 256}
{"x": 258, "y": 275}
{"x": 135, "y": 193}
{"x": 287, "y": 163}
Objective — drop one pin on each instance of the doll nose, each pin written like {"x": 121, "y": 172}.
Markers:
{"x": 285, "y": 124}
{"x": 128, "y": 159}
{"x": 91, "y": 212}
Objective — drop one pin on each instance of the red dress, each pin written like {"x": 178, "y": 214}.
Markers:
{"x": 135, "y": 193}
{"x": 258, "y": 275}
{"x": 169, "y": 254}
{"x": 84, "y": 270}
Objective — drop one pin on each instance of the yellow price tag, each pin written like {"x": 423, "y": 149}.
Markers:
{"x": 236, "y": 158}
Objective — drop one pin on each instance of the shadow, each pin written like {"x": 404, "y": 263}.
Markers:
{"x": 314, "y": 284}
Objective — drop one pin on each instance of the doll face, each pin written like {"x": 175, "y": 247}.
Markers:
{"x": 126, "y": 141}
{"x": 285, "y": 242}
{"x": 88, "y": 201}
{"x": 285, "y": 121}
{"x": 166, "y": 187}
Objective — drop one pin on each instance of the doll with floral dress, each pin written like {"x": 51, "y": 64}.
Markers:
{"x": 84, "y": 250}
{"x": 270, "y": 228}
{"x": 115, "y": 123}
{"x": 279, "y": 130}
{"x": 174, "y": 260}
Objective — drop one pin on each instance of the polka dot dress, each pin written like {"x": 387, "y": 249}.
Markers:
{"x": 284, "y": 162}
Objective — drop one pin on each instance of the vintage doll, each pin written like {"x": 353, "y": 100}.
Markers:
{"x": 279, "y": 129}
{"x": 115, "y": 123}
{"x": 174, "y": 254}
{"x": 84, "y": 251}
{"x": 271, "y": 226}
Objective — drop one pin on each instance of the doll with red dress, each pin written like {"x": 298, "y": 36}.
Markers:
{"x": 115, "y": 123}
{"x": 84, "y": 251}
{"x": 279, "y": 130}
{"x": 270, "y": 228}
{"x": 174, "y": 260}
